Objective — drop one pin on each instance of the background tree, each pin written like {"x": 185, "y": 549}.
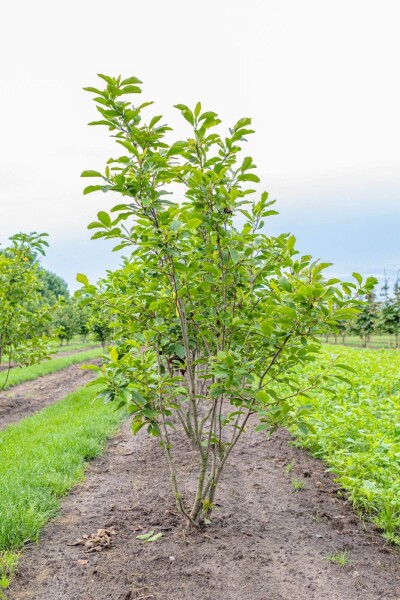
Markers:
{"x": 83, "y": 325}
{"x": 25, "y": 320}
{"x": 389, "y": 317}
{"x": 53, "y": 286}
{"x": 217, "y": 320}
{"x": 66, "y": 319}
{"x": 366, "y": 322}
{"x": 97, "y": 319}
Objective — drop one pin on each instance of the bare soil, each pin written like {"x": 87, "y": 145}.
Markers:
{"x": 265, "y": 542}
{"x": 24, "y": 399}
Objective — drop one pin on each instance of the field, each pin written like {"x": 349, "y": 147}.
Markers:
{"x": 355, "y": 433}
{"x": 375, "y": 342}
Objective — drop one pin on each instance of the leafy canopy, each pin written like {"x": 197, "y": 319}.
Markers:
{"x": 213, "y": 316}
{"x": 25, "y": 319}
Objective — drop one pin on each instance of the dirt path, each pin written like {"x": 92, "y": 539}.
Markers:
{"x": 265, "y": 543}
{"x": 24, "y": 399}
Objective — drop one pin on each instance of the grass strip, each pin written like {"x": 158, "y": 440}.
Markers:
{"x": 42, "y": 457}
{"x": 376, "y": 341}
{"x": 76, "y": 346}
{"x": 357, "y": 433}
{"x": 21, "y": 374}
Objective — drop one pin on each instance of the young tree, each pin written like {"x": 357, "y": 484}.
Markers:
{"x": 25, "y": 321}
{"x": 100, "y": 325}
{"x": 97, "y": 319}
{"x": 66, "y": 319}
{"x": 389, "y": 318}
{"x": 366, "y": 322}
{"x": 83, "y": 316}
{"x": 216, "y": 318}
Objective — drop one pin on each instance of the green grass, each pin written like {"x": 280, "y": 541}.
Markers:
{"x": 57, "y": 348}
{"x": 297, "y": 485}
{"x": 8, "y": 566}
{"x": 75, "y": 346}
{"x": 21, "y": 374}
{"x": 341, "y": 558}
{"x": 357, "y": 432}
{"x": 42, "y": 457}
{"x": 376, "y": 341}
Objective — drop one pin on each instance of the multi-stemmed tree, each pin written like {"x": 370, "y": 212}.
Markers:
{"x": 215, "y": 318}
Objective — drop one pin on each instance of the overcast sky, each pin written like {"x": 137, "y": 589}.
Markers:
{"x": 319, "y": 78}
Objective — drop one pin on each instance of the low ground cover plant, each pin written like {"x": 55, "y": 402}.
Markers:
{"x": 356, "y": 430}
{"x": 212, "y": 314}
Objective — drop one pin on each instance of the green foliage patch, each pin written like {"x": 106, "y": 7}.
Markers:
{"x": 356, "y": 430}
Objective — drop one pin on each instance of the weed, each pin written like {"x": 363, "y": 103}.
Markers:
{"x": 8, "y": 566}
{"x": 341, "y": 558}
{"x": 317, "y": 516}
{"x": 289, "y": 467}
{"x": 297, "y": 485}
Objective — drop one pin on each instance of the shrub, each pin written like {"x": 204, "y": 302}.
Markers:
{"x": 213, "y": 315}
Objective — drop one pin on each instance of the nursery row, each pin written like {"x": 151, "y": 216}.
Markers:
{"x": 357, "y": 432}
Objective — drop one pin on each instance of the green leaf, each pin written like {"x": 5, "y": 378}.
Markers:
{"x": 94, "y": 91}
{"x": 129, "y": 80}
{"x": 149, "y": 413}
{"x": 193, "y": 223}
{"x": 91, "y": 174}
{"x": 82, "y": 278}
{"x": 105, "y": 77}
{"x": 263, "y": 396}
{"x": 175, "y": 225}
{"x": 150, "y": 536}
{"x": 249, "y": 177}
{"x": 114, "y": 355}
{"x": 145, "y": 536}
{"x": 95, "y": 225}
{"x": 155, "y": 537}
{"x": 91, "y": 188}
{"x": 345, "y": 367}
{"x": 104, "y": 218}
{"x": 179, "y": 350}
{"x": 234, "y": 255}
{"x": 138, "y": 397}
{"x": 263, "y": 427}
{"x": 131, "y": 89}
{"x": 303, "y": 427}
{"x": 242, "y": 123}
